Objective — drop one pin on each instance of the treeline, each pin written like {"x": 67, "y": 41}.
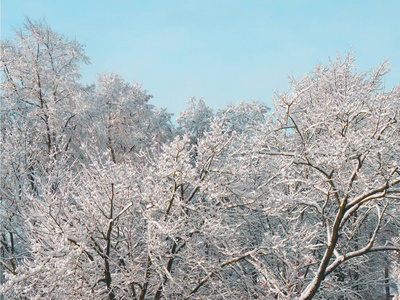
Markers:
{"x": 103, "y": 197}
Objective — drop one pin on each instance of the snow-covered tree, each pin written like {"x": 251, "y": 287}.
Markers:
{"x": 40, "y": 73}
{"x": 195, "y": 119}
{"x": 125, "y": 122}
{"x": 101, "y": 198}
{"x": 38, "y": 121}
{"x": 334, "y": 143}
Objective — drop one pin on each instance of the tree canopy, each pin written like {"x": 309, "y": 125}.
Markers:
{"x": 102, "y": 196}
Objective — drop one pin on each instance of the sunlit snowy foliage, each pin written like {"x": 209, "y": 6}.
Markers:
{"x": 102, "y": 197}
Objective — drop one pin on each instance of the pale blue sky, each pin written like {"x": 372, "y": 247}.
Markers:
{"x": 225, "y": 51}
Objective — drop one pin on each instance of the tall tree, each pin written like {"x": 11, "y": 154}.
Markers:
{"x": 334, "y": 142}
{"x": 38, "y": 109}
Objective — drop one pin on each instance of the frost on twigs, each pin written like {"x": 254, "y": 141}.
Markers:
{"x": 101, "y": 197}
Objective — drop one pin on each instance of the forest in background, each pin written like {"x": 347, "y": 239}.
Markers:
{"x": 102, "y": 196}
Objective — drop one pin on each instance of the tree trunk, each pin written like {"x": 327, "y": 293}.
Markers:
{"x": 387, "y": 287}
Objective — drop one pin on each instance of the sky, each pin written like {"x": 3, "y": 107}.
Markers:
{"x": 223, "y": 50}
